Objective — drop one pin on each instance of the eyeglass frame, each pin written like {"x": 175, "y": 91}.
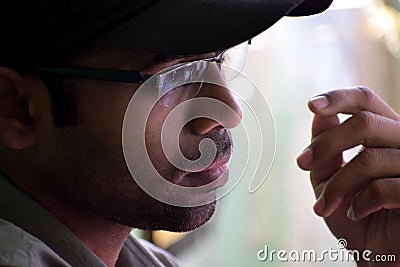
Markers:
{"x": 125, "y": 76}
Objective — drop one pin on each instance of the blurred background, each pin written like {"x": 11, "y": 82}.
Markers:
{"x": 356, "y": 42}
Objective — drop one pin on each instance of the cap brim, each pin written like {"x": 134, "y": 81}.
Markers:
{"x": 310, "y": 7}
{"x": 199, "y": 26}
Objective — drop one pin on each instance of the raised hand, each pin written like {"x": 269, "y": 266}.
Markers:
{"x": 359, "y": 199}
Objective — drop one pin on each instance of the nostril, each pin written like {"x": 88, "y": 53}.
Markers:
{"x": 202, "y": 126}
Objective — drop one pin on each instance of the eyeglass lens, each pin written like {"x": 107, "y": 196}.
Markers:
{"x": 180, "y": 83}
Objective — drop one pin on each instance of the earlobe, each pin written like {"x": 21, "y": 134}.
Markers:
{"x": 16, "y": 135}
{"x": 16, "y": 123}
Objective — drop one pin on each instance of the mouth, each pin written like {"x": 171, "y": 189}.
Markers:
{"x": 217, "y": 173}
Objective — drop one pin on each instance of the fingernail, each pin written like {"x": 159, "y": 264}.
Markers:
{"x": 350, "y": 214}
{"x": 319, "y": 102}
{"x": 319, "y": 206}
{"x": 305, "y": 158}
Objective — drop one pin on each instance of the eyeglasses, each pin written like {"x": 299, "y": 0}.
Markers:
{"x": 167, "y": 80}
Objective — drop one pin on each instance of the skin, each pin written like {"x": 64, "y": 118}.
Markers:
{"x": 360, "y": 199}
{"x": 79, "y": 173}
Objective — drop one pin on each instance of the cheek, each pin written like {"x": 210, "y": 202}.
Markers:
{"x": 154, "y": 125}
{"x": 101, "y": 111}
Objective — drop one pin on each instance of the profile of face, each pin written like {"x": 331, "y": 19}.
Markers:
{"x": 83, "y": 165}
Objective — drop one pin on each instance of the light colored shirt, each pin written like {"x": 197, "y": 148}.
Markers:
{"x": 31, "y": 236}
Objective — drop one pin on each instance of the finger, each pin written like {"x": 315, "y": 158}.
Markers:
{"x": 324, "y": 173}
{"x": 322, "y": 123}
{"x": 351, "y": 101}
{"x": 362, "y": 170}
{"x": 364, "y": 128}
{"x": 381, "y": 194}
{"x": 319, "y": 125}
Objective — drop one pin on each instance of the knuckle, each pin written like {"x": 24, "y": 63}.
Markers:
{"x": 395, "y": 155}
{"x": 377, "y": 191}
{"x": 367, "y": 96}
{"x": 367, "y": 122}
{"x": 366, "y": 125}
{"x": 368, "y": 158}
{"x": 364, "y": 120}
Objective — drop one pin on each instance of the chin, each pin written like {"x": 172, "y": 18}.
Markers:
{"x": 167, "y": 217}
{"x": 188, "y": 219}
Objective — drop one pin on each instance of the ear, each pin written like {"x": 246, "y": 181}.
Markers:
{"x": 16, "y": 122}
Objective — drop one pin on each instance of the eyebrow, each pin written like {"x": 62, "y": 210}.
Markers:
{"x": 165, "y": 58}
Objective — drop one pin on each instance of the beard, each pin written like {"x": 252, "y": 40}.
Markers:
{"x": 90, "y": 178}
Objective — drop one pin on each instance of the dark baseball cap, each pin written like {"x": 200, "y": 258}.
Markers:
{"x": 43, "y": 32}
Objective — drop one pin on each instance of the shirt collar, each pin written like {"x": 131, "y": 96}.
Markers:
{"x": 23, "y": 211}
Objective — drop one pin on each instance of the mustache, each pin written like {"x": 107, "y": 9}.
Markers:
{"x": 223, "y": 143}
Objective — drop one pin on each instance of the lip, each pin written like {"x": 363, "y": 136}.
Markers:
{"x": 217, "y": 172}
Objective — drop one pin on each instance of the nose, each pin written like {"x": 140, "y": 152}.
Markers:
{"x": 202, "y": 126}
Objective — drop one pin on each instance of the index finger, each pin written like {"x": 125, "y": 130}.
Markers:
{"x": 322, "y": 123}
{"x": 351, "y": 101}
{"x": 318, "y": 175}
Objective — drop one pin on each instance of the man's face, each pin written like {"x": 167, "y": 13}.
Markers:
{"x": 84, "y": 165}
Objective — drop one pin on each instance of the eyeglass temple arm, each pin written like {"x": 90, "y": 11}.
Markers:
{"x": 96, "y": 74}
